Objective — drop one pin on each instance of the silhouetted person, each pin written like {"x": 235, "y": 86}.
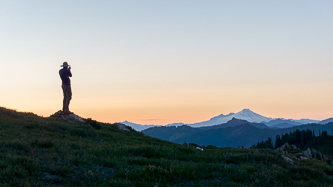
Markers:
{"x": 65, "y": 73}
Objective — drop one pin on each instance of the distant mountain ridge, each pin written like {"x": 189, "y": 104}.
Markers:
{"x": 282, "y": 121}
{"x": 201, "y": 135}
{"x": 234, "y": 133}
{"x": 136, "y": 126}
{"x": 326, "y": 121}
{"x": 245, "y": 114}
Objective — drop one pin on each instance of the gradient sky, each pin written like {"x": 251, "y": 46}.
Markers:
{"x": 159, "y": 62}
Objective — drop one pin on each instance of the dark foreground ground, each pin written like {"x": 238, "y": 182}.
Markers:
{"x": 36, "y": 151}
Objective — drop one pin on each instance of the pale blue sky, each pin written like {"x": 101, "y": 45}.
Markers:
{"x": 169, "y": 60}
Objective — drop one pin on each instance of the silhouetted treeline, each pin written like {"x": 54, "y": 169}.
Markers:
{"x": 302, "y": 139}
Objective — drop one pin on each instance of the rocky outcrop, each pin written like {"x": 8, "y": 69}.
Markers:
{"x": 72, "y": 116}
{"x": 122, "y": 127}
{"x": 291, "y": 153}
{"x": 312, "y": 153}
{"x": 75, "y": 118}
{"x": 93, "y": 123}
{"x": 286, "y": 148}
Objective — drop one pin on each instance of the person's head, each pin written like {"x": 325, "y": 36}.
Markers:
{"x": 64, "y": 65}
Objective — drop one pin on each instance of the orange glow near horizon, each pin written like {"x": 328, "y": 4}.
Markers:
{"x": 176, "y": 116}
{"x": 186, "y": 106}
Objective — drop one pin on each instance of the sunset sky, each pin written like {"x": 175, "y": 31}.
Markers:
{"x": 160, "y": 62}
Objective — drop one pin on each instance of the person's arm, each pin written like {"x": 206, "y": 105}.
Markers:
{"x": 69, "y": 71}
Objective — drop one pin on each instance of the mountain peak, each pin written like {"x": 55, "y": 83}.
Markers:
{"x": 246, "y": 114}
{"x": 247, "y": 111}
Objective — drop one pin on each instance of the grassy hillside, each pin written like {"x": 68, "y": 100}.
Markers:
{"x": 36, "y": 151}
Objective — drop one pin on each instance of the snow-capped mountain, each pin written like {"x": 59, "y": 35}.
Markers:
{"x": 245, "y": 114}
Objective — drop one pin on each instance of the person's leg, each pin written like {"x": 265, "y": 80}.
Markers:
{"x": 65, "y": 98}
{"x": 69, "y": 97}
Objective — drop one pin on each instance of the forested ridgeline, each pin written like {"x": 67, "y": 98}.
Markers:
{"x": 302, "y": 139}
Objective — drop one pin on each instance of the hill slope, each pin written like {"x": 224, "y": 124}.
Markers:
{"x": 36, "y": 151}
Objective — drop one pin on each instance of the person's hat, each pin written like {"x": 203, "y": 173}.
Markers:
{"x": 65, "y": 64}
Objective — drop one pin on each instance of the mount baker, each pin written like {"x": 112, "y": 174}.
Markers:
{"x": 245, "y": 114}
